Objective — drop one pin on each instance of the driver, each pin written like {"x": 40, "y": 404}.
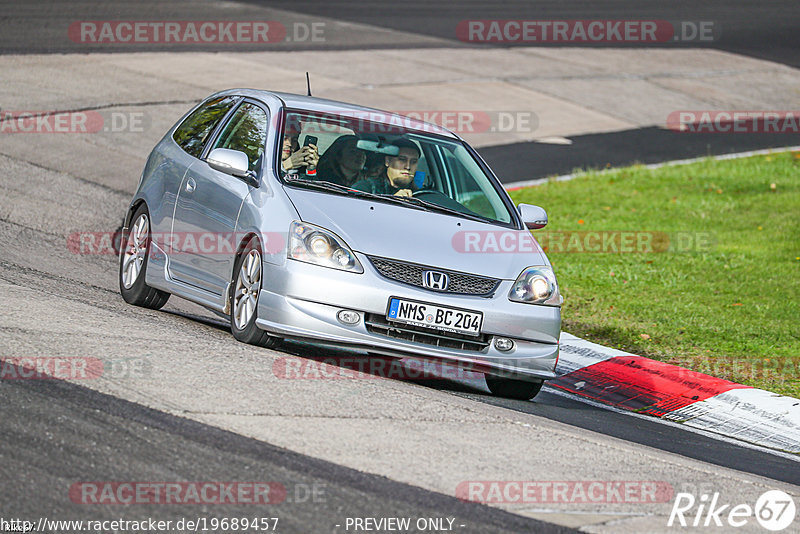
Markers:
{"x": 397, "y": 175}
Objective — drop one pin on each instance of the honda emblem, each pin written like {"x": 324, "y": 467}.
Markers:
{"x": 435, "y": 280}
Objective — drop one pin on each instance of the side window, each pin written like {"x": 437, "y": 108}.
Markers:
{"x": 246, "y": 131}
{"x": 463, "y": 183}
{"x": 191, "y": 135}
{"x": 430, "y": 166}
{"x": 467, "y": 191}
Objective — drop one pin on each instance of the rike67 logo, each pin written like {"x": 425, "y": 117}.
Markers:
{"x": 774, "y": 510}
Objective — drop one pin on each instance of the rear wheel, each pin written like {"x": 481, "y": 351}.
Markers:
{"x": 244, "y": 298}
{"x": 133, "y": 264}
{"x": 513, "y": 389}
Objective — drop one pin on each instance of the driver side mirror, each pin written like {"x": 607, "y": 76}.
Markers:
{"x": 532, "y": 216}
{"x": 232, "y": 162}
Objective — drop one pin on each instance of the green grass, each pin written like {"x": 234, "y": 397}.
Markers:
{"x": 731, "y": 308}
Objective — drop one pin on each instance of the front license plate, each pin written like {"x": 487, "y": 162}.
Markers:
{"x": 436, "y": 317}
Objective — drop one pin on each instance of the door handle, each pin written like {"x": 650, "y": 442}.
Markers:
{"x": 190, "y": 185}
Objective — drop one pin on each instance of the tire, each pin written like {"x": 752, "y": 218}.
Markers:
{"x": 243, "y": 297}
{"x": 133, "y": 264}
{"x": 513, "y": 389}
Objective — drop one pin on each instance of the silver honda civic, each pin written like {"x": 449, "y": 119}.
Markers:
{"x": 308, "y": 219}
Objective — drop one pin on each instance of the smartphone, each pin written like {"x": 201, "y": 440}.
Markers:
{"x": 310, "y": 140}
{"x": 419, "y": 179}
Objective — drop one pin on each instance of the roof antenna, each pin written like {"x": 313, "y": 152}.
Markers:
{"x": 308, "y": 83}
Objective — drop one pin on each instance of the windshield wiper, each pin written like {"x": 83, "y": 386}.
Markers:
{"x": 320, "y": 184}
{"x": 438, "y": 207}
{"x": 391, "y": 198}
{"x": 336, "y": 188}
{"x": 417, "y": 203}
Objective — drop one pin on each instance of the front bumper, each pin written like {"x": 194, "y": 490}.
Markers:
{"x": 301, "y": 301}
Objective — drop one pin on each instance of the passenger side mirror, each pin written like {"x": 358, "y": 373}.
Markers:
{"x": 231, "y": 162}
{"x": 532, "y": 216}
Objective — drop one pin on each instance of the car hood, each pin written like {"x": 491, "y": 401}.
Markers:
{"x": 424, "y": 237}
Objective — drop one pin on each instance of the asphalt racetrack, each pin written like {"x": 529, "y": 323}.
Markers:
{"x": 186, "y": 402}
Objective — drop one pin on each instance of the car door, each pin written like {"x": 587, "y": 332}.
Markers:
{"x": 176, "y": 153}
{"x": 209, "y": 202}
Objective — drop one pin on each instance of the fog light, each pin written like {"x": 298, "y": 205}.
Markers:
{"x": 503, "y": 344}
{"x": 348, "y": 317}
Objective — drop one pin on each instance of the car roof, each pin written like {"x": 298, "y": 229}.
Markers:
{"x": 323, "y": 105}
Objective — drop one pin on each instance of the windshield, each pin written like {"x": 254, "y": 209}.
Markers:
{"x": 348, "y": 154}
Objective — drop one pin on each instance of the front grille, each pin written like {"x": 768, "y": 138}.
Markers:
{"x": 411, "y": 274}
{"x": 377, "y": 324}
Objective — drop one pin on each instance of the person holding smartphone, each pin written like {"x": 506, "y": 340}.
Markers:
{"x": 294, "y": 158}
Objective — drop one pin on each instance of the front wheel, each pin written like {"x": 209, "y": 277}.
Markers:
{"x": 133, "y": 265}
{"x": 513, "y": 389}
{"x": 244, "y": 298}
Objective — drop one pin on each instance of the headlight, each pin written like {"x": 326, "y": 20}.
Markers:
{"x": 316, "y": 245}
{"x": 536, "y": 285}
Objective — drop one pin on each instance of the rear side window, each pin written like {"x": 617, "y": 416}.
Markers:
{"x": 191, "y": 135}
